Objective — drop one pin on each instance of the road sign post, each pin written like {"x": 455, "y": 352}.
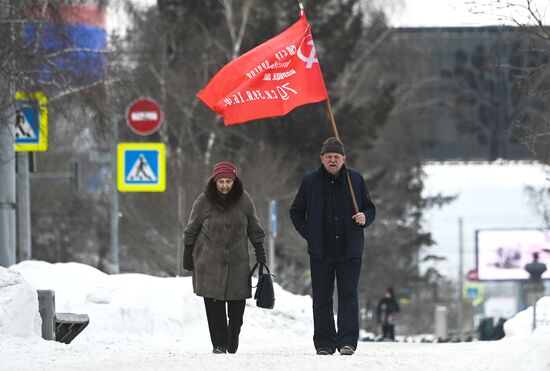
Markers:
{"x": 272, "y": 234}
{"x": 7, "y": 184}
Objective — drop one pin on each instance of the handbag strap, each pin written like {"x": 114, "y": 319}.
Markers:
{"x": 262, "y": 266}
{"x": 260, "y": 271}
{"x": 251, "y": 273}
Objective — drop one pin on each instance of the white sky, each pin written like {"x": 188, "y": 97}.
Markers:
{"x": 449, "y": 13}
{"x": 430, "y": 13}
{"x": 446, "y": 13}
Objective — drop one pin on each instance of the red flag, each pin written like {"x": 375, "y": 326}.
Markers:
{"x": 270, "y": 80}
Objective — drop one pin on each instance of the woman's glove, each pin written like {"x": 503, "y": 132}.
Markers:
{"x": 188, "y": 257}
{"x": 260, "y": 253}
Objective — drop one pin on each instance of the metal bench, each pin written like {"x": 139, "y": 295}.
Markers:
{"x": 61, "y": 327}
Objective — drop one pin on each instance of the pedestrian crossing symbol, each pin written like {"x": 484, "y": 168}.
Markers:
{"x": 26, "y": 125}
{"x": 141, "y": 171}
{"x": 31, "y": 122}
{"x": 473, "y": 292}
{"x": 141, "y": 167}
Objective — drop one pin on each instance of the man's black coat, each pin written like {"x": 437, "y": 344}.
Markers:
{"x": 307, "y": 210}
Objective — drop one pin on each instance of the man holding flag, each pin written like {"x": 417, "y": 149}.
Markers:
{"x": 271, "y": 80}
{"x": 332, "y": 221}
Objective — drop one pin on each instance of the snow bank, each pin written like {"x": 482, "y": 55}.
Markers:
{"x": 139, "y": 322}
{"x": 18, "y": 306}
{"x": 534, "y": 345}
{"x": 70, "y": 281}
{"x": 118, "y": 305}
{"x": 138, "y": 305}
{"x": 522, "y": 323}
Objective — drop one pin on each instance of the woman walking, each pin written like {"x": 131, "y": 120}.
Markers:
{"x": 222, "y": 219}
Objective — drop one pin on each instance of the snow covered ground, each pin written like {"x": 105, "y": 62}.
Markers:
{"x": 140, "y": 322}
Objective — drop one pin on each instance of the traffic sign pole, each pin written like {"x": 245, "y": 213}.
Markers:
{"x": 23, "y": 207}
{"x": 460, "y": 279}
{"x": 272, "y": 233}
{"x": 114, "y": 199}
{"x": 7, "y": 183}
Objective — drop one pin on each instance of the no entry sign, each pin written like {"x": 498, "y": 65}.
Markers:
{"x": 144, "y": 116}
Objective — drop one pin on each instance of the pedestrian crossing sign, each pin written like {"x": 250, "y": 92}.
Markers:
{"x": 473, "y": 292}
{"x": 141, "y": 167}
{"x": 31, "y": 122}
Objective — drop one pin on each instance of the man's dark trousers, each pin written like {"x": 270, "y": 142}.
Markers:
{"x": 323, "y": 272}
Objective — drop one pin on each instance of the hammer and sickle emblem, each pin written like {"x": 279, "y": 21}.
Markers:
{"x": 311, "y": 58}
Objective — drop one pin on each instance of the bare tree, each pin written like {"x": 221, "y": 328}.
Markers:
{"x": 40, "y": 52}
{"x": 532, "y": 78}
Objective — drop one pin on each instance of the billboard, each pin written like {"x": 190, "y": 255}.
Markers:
{"x": 502, "y": 254}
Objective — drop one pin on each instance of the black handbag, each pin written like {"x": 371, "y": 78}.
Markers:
{"x": 264, "y": 295}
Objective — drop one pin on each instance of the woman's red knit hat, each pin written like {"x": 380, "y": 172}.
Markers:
{"x": 224, "y": 170}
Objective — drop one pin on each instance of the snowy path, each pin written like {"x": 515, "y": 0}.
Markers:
{"x": 145, "y": 323}
{"x": 165, "y": 355}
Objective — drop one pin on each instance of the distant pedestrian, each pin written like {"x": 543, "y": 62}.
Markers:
{"x": 216, "y": 250}
{"x": 535, "y": 268}
{"x": 386, "y": 312}
{"x": 534, "y": 287}
{"x": 323, "y": 214}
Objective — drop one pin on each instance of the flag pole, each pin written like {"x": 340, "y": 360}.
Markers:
{"x": 332, "y": 121}
{"x": 335, "y": 130}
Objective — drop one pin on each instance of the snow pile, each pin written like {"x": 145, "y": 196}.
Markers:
{"x": 535, "y": 344}
{"x": 139, "y": 322}
{"x": 522, "y": 323}
{"x": 130, "y": 305}
{"x": 18, "y": 306}
{"x": 535, "y": 349}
